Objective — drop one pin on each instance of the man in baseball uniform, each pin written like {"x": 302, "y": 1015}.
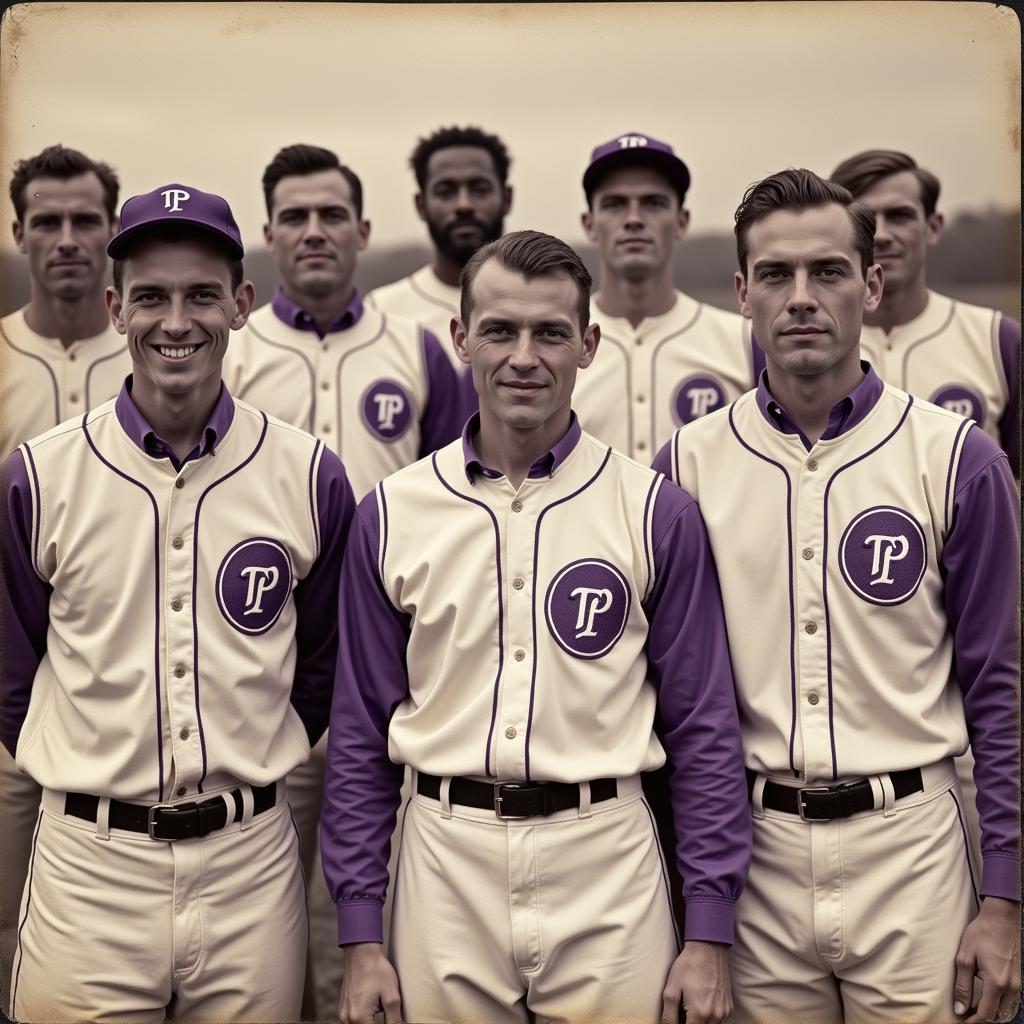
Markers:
{"x": 964, "y": 358}
{"x": 59, "y": 355}
{"x": 517, "y": 613}
{"x": 170, "y": 569}
{"x": 666, "y": 359}
{"x": 866, "y": 544}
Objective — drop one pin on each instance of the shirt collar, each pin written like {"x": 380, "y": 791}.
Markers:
{"x": 544, "y": 466}
{"x": 145, "y": 437}
{"x": 290, "y": 312}
{"x": 843, "y": 416}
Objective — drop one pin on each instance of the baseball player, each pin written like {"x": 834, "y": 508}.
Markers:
{"x": 170, "y": 566}
{"x": 871, "y": 536}
{"x": 667, "y": 359}
{"x": 59, "y": 355}
{"x": 517, "y": 611}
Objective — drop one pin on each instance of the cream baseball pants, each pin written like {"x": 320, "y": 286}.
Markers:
{"x": 565, "y": 917}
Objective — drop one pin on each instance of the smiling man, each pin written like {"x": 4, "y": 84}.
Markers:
{"x": 666, "y": 359}
{"x": 871, "y": 537}
{"x": 517, "y": 614}
{"x": 167, "y": 616}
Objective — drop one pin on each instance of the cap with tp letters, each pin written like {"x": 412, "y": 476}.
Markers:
{"x": 631, "y": 149}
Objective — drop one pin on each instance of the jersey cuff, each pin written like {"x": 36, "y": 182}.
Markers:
{"x": 709, "y": 920}
{"x": 1000, "y": 876}
{"x": 360, "y": 921}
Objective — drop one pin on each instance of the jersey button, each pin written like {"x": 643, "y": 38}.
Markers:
{"x": 176, "y": 605}
{"x": 641, "y": 399}
{"x": 73, "y": 396}
{"x": 326, "y": 428}
{"x": 518, "y": 584}
{"x": 641, "y": 446}
{"x": 510, "y": 732}
{"x": 517, "y": 506}
{"x": 72, "y": 356}
{"x": 639, "y": 341}
{"x": 519, "y": 655}
{"x": 324, "y": 385}
{"x": 812, "y": 464}
{"x": 180, "y": 482}
{"x": 181, "y": 791}
{"x": 811, "y": 627}
{"x": 177, "y": 543}
{"x": 179, "y": 671}
{"x": 808, "y": 554}
{"x": 812, "y": 698}
{"x": 184, "y": 734}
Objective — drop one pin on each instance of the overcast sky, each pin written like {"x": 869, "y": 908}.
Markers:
{"x": 205, "y": 94}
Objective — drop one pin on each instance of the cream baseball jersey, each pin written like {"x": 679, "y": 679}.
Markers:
{"x": 376, "y": 388}
{"x": 878, "y": 568}
{"x": 965, "y": 358}
{"x": 43, "y": 383}
{"x": 168, "y": 627}
{"x": 531, "y": 634}
{"x": 669, "y": 370}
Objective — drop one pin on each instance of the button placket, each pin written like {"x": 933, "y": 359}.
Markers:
{"x": 639, "y": 356}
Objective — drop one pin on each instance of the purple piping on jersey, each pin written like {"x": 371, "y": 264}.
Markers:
{"x": 792, "y": 598}
{"x": 674, "y": 452}
{"x": 195, "y": 581}
{"x": 824, "y": 572}
{"x": 38, "y": 500}
{"x": 664, "y": 872}
{"x": 920, "y": 341}
{"x": 424, "y": 369}
{"x": 341, "y": 363}
{"x": 156, "y": 570}
{"x": 313, "y": 511}
{"x": 967, "y": 847}
{"x": 654, "y": 358}
{"x": 49, "y": 370}
{"x": 533, "y": 614}
{"x": 28, "y": 903}
{"x": 384, "y": 533}
{"x": 501, "y": 613}
{"x": 430, "y": 298}
{"x": 88, "y": 373}
{"x": 962, "y": 429}
{"x": 647, "y": 547}
{"x": 608, "y": 339}
{"x": 309, "y": 367}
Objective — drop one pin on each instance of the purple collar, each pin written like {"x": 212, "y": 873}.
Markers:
{"x": 544, "y": 466}
{"x": 135, "y": 426}
{"x": 844, "y": 415}
{"x": 290, "y": 312}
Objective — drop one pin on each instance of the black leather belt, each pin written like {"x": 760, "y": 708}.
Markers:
{"x": 823, "y": 803}
{"x": 515, "y": 799}
{"x": 172, "y": 821}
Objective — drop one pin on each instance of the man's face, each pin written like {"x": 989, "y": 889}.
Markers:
{"x": 524, "y": 344}
{"x": 902, "y": 231}
{"x": 463, "y": 203}
{"x": 177, "y": 308}
{"x": 804, "y": 290}
{"x": 635, "y": 221}
{"x": 64, "y": 234}
{"x": 314, "y": 234}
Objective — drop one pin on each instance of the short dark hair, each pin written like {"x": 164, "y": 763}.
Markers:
{"x": 302, "y": 159}
{"x": 176, "y": 233}
{"x": 532, "y": 254}
{"x": 453, "y": 136}
{"x": 864, "y": 170}
{"x": 62, "y": 163}
{"x": 800, "y": 189}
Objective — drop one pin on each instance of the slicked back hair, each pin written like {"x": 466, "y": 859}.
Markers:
{"x": 453, "y": 136}
{"x": 864, "y": 170}
{"x": 800, "y": 189}
{"x": 62, "y": 163}
{"x": 531, "y": 254}
{"x": 301, "y": 159}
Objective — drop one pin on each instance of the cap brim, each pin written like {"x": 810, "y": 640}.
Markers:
{"x": 123, "y": 240}
{"x": 671, "y": 166}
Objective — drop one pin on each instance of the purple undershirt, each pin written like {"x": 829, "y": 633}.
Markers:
{"x": 697, "y": 720}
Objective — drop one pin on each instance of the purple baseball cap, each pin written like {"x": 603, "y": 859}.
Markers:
{"x": 179, "y": 204}
{"x": 631, "y": 149}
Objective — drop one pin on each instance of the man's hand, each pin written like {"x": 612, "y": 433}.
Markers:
{"x": 990, "y": 949}
{"x": 699, "y": 978}
{"x": 370, "y": 984}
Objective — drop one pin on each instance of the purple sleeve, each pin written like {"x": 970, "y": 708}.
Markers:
{"x": 981, "y": 564}
{"x": 24, "y": 601}
{"x": 1009, "y": 422}
{"x": 442, "y": 419}
{"x": 697, "y": 721}
{"x": 362, "y": 787}
{"x": 663, "y": 460}
{"x": 316, "y": 599}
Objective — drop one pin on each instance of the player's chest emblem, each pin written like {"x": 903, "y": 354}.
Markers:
{"x": 586, "y": 607}
{"x": 253, "y": 583}
{"x": 387, "y": 409}
{"x": 963, "y": 401}
{"x": 695, "y": 397}
{"x": 882, "y": 555}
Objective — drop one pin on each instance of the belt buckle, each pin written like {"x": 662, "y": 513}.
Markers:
{"x": 152, "y": 822}
{"x": 498, "y": 787}
{"x": 801, "y": 806}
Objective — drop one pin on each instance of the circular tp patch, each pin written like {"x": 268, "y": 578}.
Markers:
{"x": 387, "y": 409}
{"x": 253, "y": 583}
{"x": 883, "y": 555}
{"x": 963, "y": 401}
{"x": 586, "y": 607}
{"x": 696, "y": 397}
